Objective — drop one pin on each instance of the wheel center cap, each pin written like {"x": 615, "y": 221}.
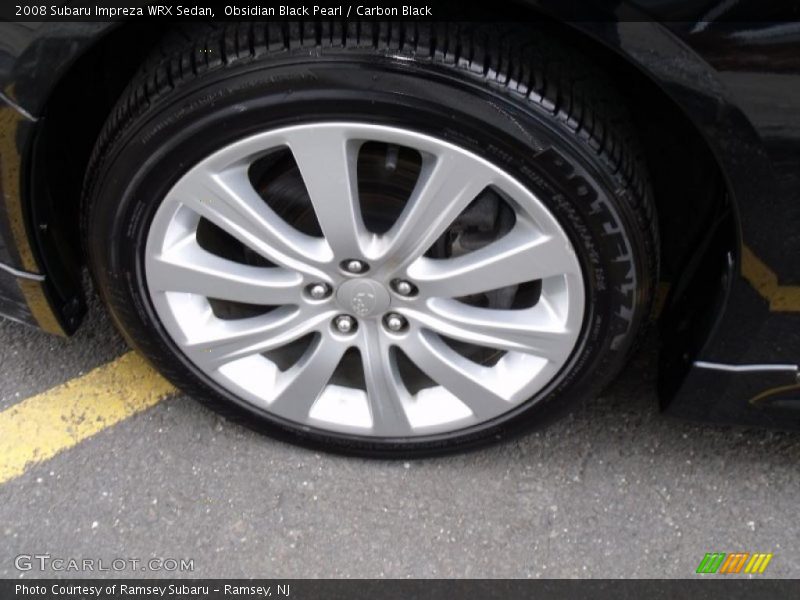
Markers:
{"x": 363, "y": 297}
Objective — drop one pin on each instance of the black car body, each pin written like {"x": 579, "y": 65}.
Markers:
{"x": 726, "y": 82}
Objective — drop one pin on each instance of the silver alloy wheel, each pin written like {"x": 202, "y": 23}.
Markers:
{"x": 535, "y": 342}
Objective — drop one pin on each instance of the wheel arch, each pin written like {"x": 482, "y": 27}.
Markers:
{"x": 70, "y": 94}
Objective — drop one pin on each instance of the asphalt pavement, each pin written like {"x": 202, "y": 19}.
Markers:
{"x": 615, "y": 490}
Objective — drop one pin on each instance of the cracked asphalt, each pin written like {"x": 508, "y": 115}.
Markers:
{"x": 615, "y": 490}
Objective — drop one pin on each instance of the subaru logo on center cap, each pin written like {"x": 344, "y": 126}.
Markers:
{"x": 363, "y": 301}
{"x": 363, "y": 297}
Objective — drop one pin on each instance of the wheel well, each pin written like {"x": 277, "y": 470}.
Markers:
{"x": 688, "y": 204}
{"x": 69, "y": 125}
{"x": 688, "y": 185}
{"x": 698, "y": 226}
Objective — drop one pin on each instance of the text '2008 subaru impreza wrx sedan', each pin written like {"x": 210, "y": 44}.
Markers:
{"x": 391, "y": 237}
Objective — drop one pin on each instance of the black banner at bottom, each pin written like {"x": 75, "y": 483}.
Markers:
{"x": 391, "y": 589}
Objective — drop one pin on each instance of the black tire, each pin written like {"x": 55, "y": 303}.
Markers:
{"x": 519, "y": 97}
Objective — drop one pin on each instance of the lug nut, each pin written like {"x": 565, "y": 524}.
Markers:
{"x": 394, "y": 322}
{"x": 318, "y": 291}
{"x": 344, "y": 323}
{"x": 354, "y": 266}
{"x": 404, "y": 288}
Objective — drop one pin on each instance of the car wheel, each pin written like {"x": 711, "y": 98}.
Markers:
{"x": 383, "y": 239}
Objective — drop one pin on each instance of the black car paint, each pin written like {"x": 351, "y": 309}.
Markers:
{"x": 737, "y": 82}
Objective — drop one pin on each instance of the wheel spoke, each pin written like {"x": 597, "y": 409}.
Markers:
{"x": 226, "y": 341}
{"x": 385, "y": 389}
{"x": 230, "y": 202}
{"x": 518, "y": 257}
{"x": 189, "y": 268}
{"x": 445, "y": 188}
{"x": 302, "y": 384}
{"x": 532, "y": 331}
{"x": 458, "y": 375}
{"x": 327, "y": 162}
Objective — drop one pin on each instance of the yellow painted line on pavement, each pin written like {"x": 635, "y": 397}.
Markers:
{"x": 41, "y": 426}
{"x": 781, "y": 298}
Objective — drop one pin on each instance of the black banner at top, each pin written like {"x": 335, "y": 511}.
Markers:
{"x": 438, "y": 10}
